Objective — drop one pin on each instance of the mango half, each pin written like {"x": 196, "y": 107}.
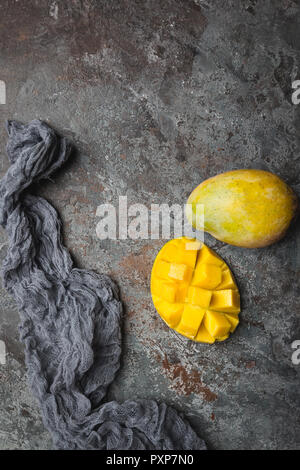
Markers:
{"x": 194, "y": 291}
{"x": 248, "y": 208}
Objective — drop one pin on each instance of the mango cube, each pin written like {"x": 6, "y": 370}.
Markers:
{"x": 222, "y": 338}
{"x": 227, "y": 280}
{"x": 165, "y": 290}
{"x": 226, "y": 301}
{"x": 181, "y": 292}
{"x": 191, "y": 250}
{"x": 178, "y": 253}
{"x": 203, "y": 335}
{"x": 233, "y": 320}
{"x": 180, "y": 272}
{"x": 162, "y": 269}
{"x": 168, "y": 292}
{"x": 198, "y": 296}
{"x": 207, "y": 256}
{"x": 171, "y": 313}
{"x": 190, "y": 258}
{"x": 216, "y": 324}
{"x": 191, "y": 319}
{"x": 207, "y": 276}
{"x": 193, "y": 245}
{"x": 172, "y": 253}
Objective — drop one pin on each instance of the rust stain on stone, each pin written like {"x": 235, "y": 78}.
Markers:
{"x": 186, "y": 382}
{"x": 138, "y": 265}
{"x": 23, "y": 36}
{"x": 250, "y": 364}
{"x": 90, "y": 181}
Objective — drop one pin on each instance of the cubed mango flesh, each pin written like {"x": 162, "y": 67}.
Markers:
{"x": 180, "y": 254}
{"x": 194, "y": 291}
{"x": 171, "y": 313}
{"x": 192, "y": 244}
{"x": 199, "y": 296}
{"x": 174, "y": 271}
{"x": 181, "y": 292}
{"x": 227, "y": 300}
{"x": 208, "y": 256}
{"x": 207, "y": 276}
{"x": 216, "y": 324}
{"x": 180, "y": 272}
{"x": 165, "y": 290}
{"x": 203, "y": 335}
{"x": 191, "y": 319}
{"x": 162, "y": 269}
{"x": 227, "y": 281}
{"x": 233, "y": 320}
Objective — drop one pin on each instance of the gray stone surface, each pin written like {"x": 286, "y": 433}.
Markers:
{"x": 158, "y": 96}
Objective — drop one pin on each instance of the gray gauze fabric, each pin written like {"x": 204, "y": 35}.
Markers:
{"x": 70, "y": 318}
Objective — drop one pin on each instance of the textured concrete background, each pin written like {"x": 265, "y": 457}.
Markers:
{"x": 158, "y": 96}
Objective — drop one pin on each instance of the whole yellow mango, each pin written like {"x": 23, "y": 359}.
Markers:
{"x": 248, "y": 208}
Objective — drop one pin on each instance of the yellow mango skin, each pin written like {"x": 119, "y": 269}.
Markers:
{"x": 194, "y": 291}
{"x": 247, "y": 208}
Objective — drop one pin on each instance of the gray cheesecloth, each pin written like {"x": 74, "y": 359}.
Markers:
{"x": 70, "y": 318}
